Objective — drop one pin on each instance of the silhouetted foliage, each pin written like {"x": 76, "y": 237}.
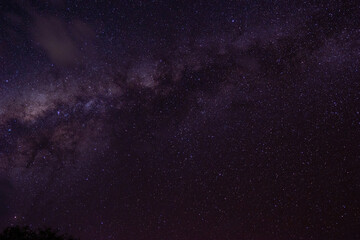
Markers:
{"x": 25, "y": 233}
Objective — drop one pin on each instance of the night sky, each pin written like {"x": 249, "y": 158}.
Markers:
{"x": 181, "y": 120}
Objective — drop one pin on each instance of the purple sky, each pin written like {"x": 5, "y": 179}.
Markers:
{"x": 182, "y": 120}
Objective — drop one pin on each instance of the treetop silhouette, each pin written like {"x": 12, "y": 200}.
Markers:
{"x": 25, "y": 233}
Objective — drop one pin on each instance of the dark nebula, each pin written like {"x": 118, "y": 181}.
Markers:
{"x": 181, "y": 119}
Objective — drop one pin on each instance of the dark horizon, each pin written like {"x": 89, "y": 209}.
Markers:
{"x": 181, "y": 119}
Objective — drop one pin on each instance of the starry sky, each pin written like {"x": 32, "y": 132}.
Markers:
{"x": 182, "y": 120}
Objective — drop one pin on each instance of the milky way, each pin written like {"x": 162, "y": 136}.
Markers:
{"x": 181, "y": 120}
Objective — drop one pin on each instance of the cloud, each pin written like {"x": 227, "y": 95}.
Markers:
{"x": 62, "y": 41}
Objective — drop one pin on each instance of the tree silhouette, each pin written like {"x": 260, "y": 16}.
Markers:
{"x": 25, "y": 233}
